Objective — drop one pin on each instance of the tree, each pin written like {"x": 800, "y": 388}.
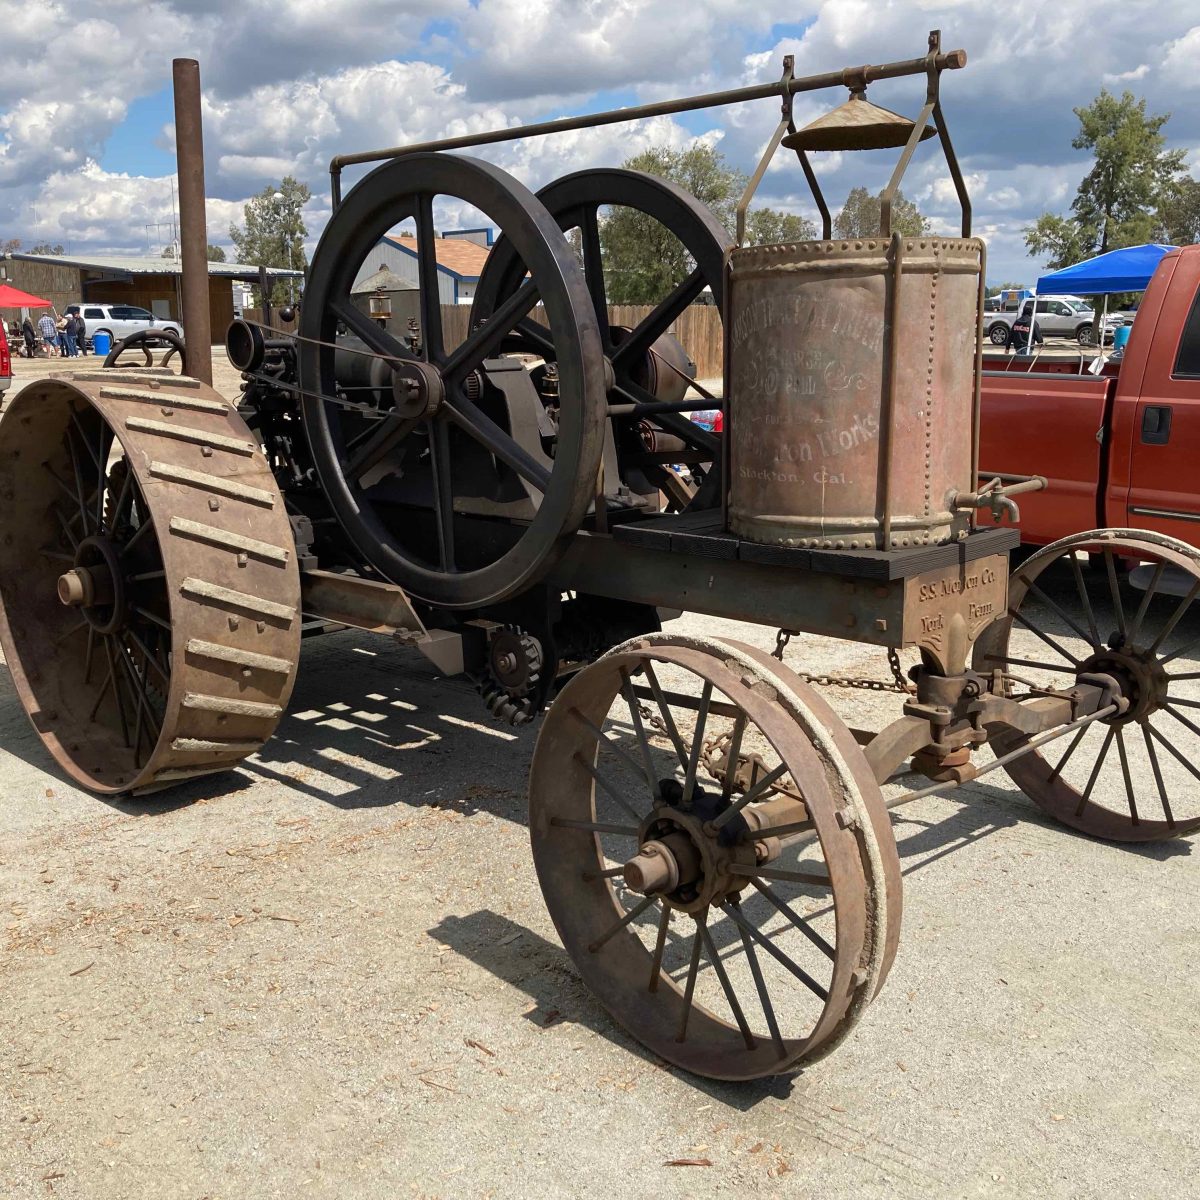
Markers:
{"x": 643, "y": 259}
{"x": 860, "y": 216}
{"x": 46, "y": 248}
{"x": 1120, "y": 201}
{"x": 1005, "y": 287}
{"x": 274, "y": 231}
{"x": 215, "y": 253}
{"x": 1178, "y": 218}
{"x": 11, "y": 246}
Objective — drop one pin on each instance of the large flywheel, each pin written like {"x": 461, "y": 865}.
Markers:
{"x": 644, "y": 365}
{"x": 456, "y": 486}
{"x": 149, "y": 590}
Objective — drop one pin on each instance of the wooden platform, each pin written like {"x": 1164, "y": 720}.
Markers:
{"x": 701, "y": 534}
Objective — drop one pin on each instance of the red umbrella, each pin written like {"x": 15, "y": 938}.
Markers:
{"x": 11, "y": 297}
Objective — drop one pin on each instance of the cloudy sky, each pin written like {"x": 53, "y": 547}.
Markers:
{"x": 86, "y": 150}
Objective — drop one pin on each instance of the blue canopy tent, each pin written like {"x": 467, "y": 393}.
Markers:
{"x": 1126, "y": 270}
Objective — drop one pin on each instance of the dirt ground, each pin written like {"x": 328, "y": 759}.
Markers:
{"x": 331, "y": 973}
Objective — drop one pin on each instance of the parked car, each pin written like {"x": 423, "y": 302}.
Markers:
{"x": 1057, "y": 316}
{"x": 1119, "y": 448}
{"x": 120, "y": 320}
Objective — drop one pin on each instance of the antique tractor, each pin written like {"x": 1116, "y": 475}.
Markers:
{"x": 523, "y": 504}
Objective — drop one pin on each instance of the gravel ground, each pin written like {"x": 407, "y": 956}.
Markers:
{"x": 331, "y": 973}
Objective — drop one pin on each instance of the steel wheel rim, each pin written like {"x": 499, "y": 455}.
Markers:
{"x": 851, "y": 966}
{"x": 388, "y": 195}
{"x": 1160, "y": 735}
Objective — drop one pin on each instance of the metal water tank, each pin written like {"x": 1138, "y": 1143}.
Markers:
{"x": 850, "y": 386}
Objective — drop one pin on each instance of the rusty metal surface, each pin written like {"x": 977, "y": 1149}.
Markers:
{"x": 945, "y": 611}
{"x": 758, "y": 1022}
{"x": 831, "y": 345}
{"x": 193, "y": 228}
{"x": 366, "y": 604}
{"x": 151, "y": 624}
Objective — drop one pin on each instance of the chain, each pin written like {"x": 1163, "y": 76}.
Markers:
{"x": 898, "y": 682}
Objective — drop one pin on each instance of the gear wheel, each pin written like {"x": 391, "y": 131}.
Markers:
{"x": 510, "y": 678}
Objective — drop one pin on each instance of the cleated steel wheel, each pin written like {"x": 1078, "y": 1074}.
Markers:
{"x": 1130, "y": 777}
{"x": 148, "y": 581}
{"x": 715, "y": 854}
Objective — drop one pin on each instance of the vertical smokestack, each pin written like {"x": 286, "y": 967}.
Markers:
{"x": 193, "y": 233}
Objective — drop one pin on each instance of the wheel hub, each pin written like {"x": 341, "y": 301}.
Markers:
{"x": 1142, "y": 678}
{"x": 682, "y": 859}
{"x": 417, "y": 389}
{"x": 96, "y": 585}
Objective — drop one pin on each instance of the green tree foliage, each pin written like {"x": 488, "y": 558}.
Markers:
{"x": 1178, "y": 217}
{"x": 644, "y": 260}
{"x": 860, "y": 216}
{"x": 215, "y": 253}
{"x": 274, "y": 231}
{"x": 1006, "y": 287}
{"x": 47, "y": 248}
{"x": 1119, "y": 201}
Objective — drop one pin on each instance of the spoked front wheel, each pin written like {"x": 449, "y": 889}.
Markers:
{"x": 1131, "y": 617}
{"x": 715, "y": 854}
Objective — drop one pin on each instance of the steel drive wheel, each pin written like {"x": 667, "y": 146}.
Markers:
{"x": 1127, "y": 778}
{"x": 149, "y": 591}
{"x": 642, "y": 366}
{"x": 403, "y": 474}
{"x": 715, "y": 855}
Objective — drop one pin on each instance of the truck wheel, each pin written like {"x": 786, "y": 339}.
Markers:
{"x": 1085, "y": 335}
{"x": 998, "y": 334}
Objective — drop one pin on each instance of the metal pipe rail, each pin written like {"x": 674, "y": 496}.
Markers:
{"x": 949, "y": 60}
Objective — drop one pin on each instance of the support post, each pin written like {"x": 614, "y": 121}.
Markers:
{"x": 193, "y": 232}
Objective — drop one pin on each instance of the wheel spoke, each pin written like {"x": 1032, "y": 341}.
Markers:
{"x": 123, "y": 497}
{"x": 1029, "y": 662}
{"x": 593, "y": 269}
{"x": 689, "y": 990}
{"x": 113, "y": 674}
{"x": 102, "y": 482}
{"x": 1176, "y": 617}
{"x": 784, "y": 961}
{"x": 643, "y": 742}
{"x": 1018, "y": 616}
{"x": 443, "y": 492}
{"x": 628, "y": 392}
{"x": 1185, "y": 762}
{"x": 596, "y": 827}
{"x": 79, "y": 489}
{"x": 427, "y": 270}
{"x": 689, "y": 783}
{"x": 489, "y": 435}
{"x": 138, "y": 534}
{"x": 780, "y": 873}
{"x": 632, "y": 915}
{"x": 727, "y": 987}
{"x": 751, "y": 794}
{"x": 1133, "y": 812}
{"x": 1138, "y": 617}
{"x": 799, "y": 922}
{"x": 602, "y": 739}
{"x": 1091, "y": 783}
{"x": 482, "y": 342}
{"x": 731, "y": 758}
{"x": 665, "y": 710}
{"x": 1062, "y": 762}
{"x": 376, "y": 444}
{"x": 1110, "y": 567}
{"x": 760, "y": 984}
{"x": 656, "y": 322}
{"x": 607, "y": 786}
{"x": 1152, "y": 754}
{"x": 539, "y": 337}
{"x": 660, "y": 944}
{"x": 1077, "y": 571}
{"x": 374, "y": 335}
{"x": 65, "y": 525}
{"x": 1062, "y": 614}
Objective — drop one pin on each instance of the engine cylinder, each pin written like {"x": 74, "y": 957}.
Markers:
{"x": 850, "y": 377}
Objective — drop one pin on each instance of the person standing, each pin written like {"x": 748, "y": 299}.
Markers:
{"x": 81, "y": 333}
{"x": 30, "y": 337}
{"x": 70, "y": 350}
{"x": 49, "y": 334}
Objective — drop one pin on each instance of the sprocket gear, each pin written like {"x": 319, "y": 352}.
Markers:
{"x": 509, "y": 680}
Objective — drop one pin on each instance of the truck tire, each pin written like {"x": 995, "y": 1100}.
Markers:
{"x": 998, "y": 334}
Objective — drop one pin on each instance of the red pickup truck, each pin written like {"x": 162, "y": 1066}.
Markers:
{"x": 1118, "y": 449}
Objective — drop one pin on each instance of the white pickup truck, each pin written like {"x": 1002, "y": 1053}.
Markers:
{"x": 1056, "y": 316}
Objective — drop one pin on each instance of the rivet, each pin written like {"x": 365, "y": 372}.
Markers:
{"x": 213, "y": 504}
{"x": 233, "y": 622}
{"x": 262, "y": 626}
{"x": 206, "y": 451}
{"x": 242, "y": 558}
{"x": 168, "y": 412}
